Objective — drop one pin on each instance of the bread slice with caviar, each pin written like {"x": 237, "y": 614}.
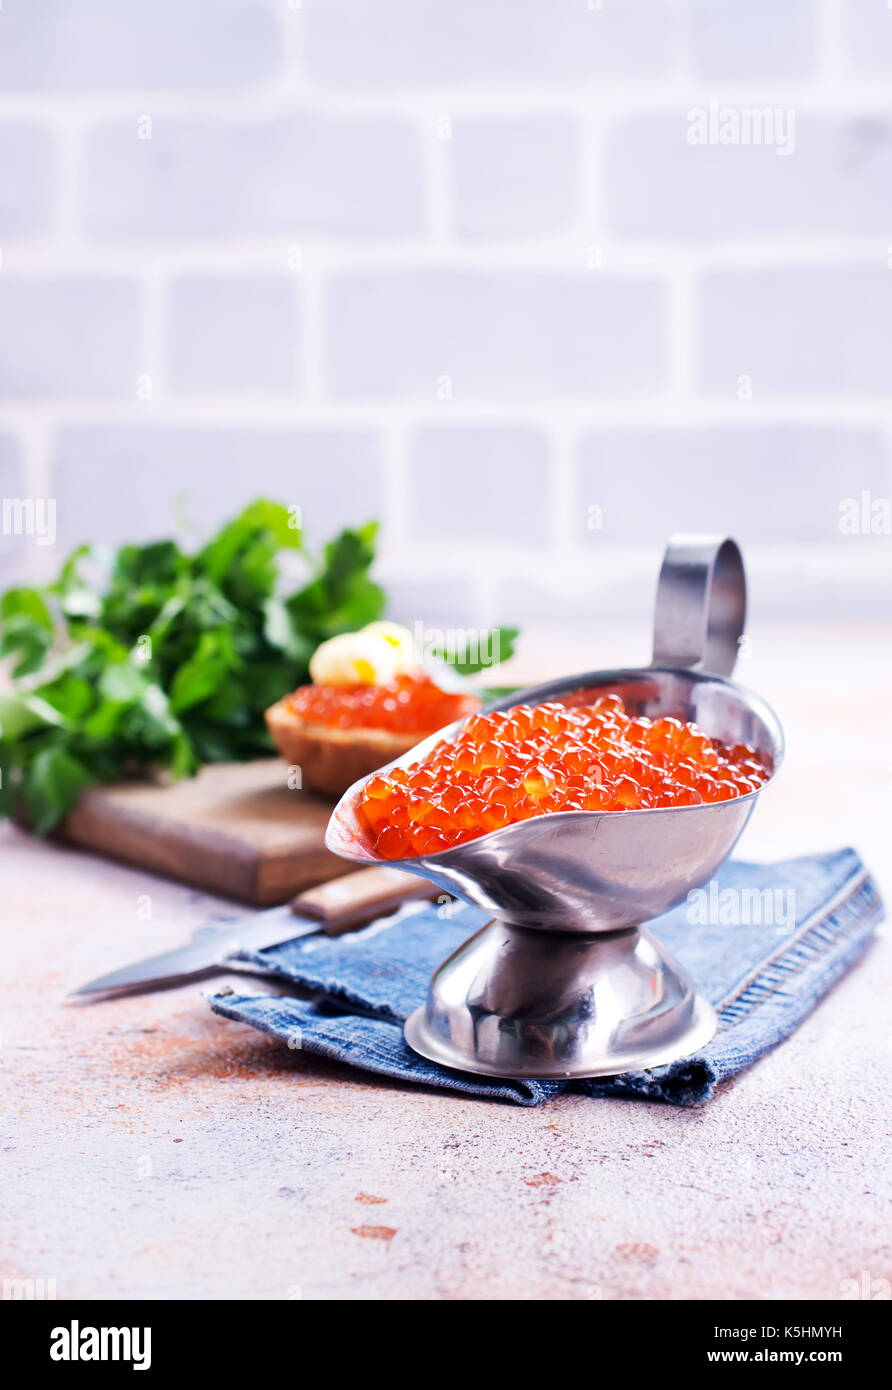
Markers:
{"x": 368, "y": 704}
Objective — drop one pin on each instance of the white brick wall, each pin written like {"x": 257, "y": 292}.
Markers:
{"x": 232, "y": 333}
{"x": 221, "y": 180}
{"x": 27, "y": 158}
{"x": 68, "y": 336}
{"x": 423, "y": 42}
{"x": 836, "y": 182}
{"x": 514, "y": 177}
{"x": 761, "y": 39}
{"x": 459, "y": 264}
{"x": 474, "y": 334}
{"x": 171, "y": 45}
{"x": 867, "y": 35}
{"x": 12, "y": 484}
{"x": 141, "y": 481}
{"x": 807, "y": 330}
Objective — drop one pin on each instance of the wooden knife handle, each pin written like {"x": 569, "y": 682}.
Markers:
{"x": 354, "y": 899}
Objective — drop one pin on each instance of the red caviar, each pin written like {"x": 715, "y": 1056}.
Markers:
{"x": 411, "y": 704}
{"x": 523, "y": 762}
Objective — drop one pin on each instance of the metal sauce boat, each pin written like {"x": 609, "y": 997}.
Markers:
{"x": 566, "y": 980}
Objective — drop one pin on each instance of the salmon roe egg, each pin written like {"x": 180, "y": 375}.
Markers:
{"x": 588, "y": 755}
{"x": 411, "y": 704}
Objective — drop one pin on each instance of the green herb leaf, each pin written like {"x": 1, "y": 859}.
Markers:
{"x": 204, "y": 672}
{"x": 480, "y": 653}
{"x": 21, "y": 714}
{"x": 262, "y": 518}
{"x": 341, "y": 597}
{"x": 51, "y": 784}
{"x": 26, "y": 629}
{"x": 28, "y": 603}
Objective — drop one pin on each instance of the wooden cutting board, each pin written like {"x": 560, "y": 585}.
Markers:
{"x": 235, "y": 829}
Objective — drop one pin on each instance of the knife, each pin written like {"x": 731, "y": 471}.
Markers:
{"x": 341, "y": 905}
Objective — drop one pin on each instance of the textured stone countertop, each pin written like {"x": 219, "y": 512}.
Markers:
{"x": 152, "y": 1149}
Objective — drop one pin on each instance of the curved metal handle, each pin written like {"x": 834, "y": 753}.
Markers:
{"x": 701, "y": 604}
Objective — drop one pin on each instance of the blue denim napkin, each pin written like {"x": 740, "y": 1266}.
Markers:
{"x": 763, "y": 942}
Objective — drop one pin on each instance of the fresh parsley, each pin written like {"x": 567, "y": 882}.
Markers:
{"x": 153, "y": 659}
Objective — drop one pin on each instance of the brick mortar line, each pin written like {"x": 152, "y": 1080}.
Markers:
{"x": 625, "y": 256}
{"x": 439, "y": 185}
{"x": 311, "y": 320}
{"x": 831, "y": 64}
{"x": 633, "y": 412}
{"x": 396, "y": 439}
{"x": 615, "y": 101}
{"x": 617, "y": 96}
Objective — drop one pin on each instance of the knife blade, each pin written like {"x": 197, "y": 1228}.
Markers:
{"x": 341, "y": 905}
